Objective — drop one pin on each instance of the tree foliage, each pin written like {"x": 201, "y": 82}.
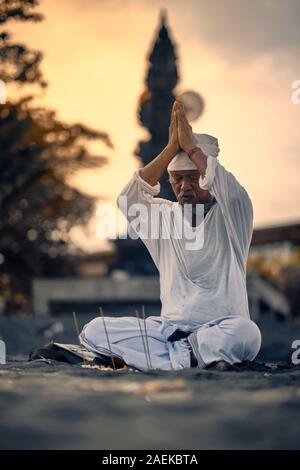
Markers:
{"x": 19, "y": 63}
{"x": 38, "y": 154}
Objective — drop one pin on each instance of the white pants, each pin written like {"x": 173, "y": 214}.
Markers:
{"x": 232, "y": 339}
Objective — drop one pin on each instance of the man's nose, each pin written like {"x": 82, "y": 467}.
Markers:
{"x": 185, "y": 184}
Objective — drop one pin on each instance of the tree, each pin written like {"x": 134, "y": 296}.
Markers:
{"x": 38, "y": 154}
{"x": 19, "y": 63}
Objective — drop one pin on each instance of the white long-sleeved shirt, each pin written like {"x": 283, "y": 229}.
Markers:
{"x": 197, "y": 286}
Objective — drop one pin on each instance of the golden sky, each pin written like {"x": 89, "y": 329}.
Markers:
{"x": 241, "y": 57}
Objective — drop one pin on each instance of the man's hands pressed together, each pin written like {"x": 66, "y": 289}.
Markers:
{"x": 184, "y": 129}
{"x": 173, "y": 129}
{"x": 154, "y": 170}
{"x": 180, "y": 131}
{"x": 180, "y": 138}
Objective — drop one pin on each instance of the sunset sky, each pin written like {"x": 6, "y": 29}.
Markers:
{"x": 241, "y": 56}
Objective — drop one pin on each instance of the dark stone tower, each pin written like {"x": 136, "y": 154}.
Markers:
{"x": 157, "y": 100}
{"x": 154, "y": 114}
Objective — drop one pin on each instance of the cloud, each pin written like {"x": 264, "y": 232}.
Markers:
{"x": 238, "y": 29}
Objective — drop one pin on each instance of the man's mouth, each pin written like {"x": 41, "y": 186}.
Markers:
{"x": 187, "y": 197}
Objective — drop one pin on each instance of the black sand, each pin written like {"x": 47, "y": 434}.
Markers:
{"x": 49, "y": 405}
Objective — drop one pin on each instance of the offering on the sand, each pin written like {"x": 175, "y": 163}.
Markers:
{"x": 2, "y": 352}
{"x": 102, "y": 367}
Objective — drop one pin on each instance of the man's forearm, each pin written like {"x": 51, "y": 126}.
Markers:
{"x": 200, "y": 160}
{"x": 154, "y": 170}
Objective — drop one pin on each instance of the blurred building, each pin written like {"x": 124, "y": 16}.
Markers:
{"x": 274, "y": 270}
{"x": 279, "y": 234}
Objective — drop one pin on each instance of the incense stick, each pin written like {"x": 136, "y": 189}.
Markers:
{"x": 76, "y": 326}
{"x": 144, "y": 316}
{"x": 107, "y": 338}
{"x": 137, "y": 315}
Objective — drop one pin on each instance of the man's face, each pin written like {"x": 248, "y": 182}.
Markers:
{"x": 185, "y": 184}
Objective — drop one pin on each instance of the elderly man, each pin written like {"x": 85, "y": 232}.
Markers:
{"x": 205, "y": 317}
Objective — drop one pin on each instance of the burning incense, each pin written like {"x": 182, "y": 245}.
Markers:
{"x": 107, "y": 338}
{"x": 76, "y": 326}
{"x": 137, "y": 315}
{"x": 144, "y": 317}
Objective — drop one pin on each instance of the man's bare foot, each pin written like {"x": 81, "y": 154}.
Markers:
{"x": 218, "y": 365}
{"x": 119, "y": 363}
{"x": 194, "y": 362}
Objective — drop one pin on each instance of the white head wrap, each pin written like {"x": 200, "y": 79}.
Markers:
{"x": 207, "y": 143}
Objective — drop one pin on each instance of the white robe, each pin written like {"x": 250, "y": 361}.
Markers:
{"x": 198, "y": 288}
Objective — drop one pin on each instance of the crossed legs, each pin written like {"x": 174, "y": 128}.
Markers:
{"x": 232, "y": 339}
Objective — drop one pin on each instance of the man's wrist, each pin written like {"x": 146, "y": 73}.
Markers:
{"x": 194, "y": 152}
{"x": 191, "y": 149}
{"x": 172, "y": 149}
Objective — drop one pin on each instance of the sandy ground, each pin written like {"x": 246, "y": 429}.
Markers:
{"x": 54, "y": 406}
{"x": 50, "y": 405}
